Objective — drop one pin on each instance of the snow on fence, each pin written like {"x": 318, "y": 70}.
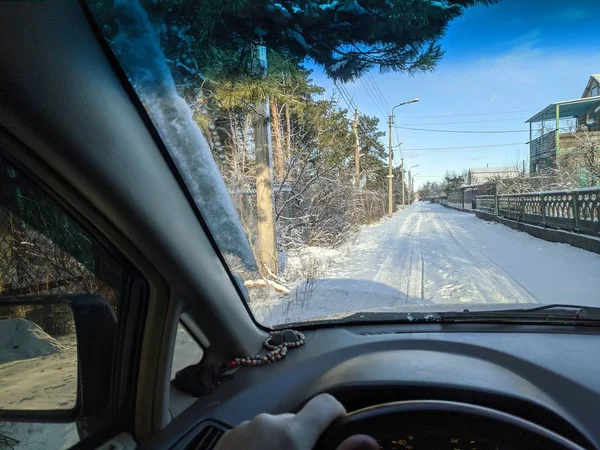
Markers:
{"x": 577, "y": 210}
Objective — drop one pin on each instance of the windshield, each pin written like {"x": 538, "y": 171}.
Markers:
{"x": 380, "y": 156}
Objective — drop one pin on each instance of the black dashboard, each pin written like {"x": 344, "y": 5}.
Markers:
{"x": 437, "y": 441}
{"x": 546, "y": 375}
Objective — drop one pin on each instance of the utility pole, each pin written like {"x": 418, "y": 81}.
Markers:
{"x": 402, "y": 175}
{"x": 390, "y": 175}
{"x": 267, "y": 250}
{"x": 288, "y": 134}
{"x": 356, "y": 150}
{"x": 409, "y": 188}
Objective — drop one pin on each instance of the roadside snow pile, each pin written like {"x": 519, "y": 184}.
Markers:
{"x": 311, "y": 262}
{"x": 23, "y": 339}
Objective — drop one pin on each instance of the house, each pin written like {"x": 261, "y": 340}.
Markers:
{"x": 478, "y": 175}
{"x": 557, "y": 125}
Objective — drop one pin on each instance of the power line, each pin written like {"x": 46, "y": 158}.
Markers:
{"x": 462, "y": 148}
{"x": 368, "y": 80}
{"x": 373, "y": 98}
{"x": 350, "y": 103}
{"x": 467, "y": 121}
{"x": 388, "y": 108}
{"x": 398, "y": 142}
{"x": 477, "y": 114}
{"x": 374, "y": 83}
{"x": 463, "y": 131}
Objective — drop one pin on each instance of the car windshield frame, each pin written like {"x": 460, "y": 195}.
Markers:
{"x": 190, "y": 130}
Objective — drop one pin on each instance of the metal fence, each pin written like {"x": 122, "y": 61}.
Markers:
{"x": 440, "y": 200}
{"x": 577, "y": 210}
{"x": 486, "y": 203}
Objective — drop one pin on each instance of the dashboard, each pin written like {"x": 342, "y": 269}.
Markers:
{"x": 437, "y": 441}
{"x": 542, "y": 374}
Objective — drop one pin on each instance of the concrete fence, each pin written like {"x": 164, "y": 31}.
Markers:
{"x": 569, "y": 217}
{"x": 576, "y": 211}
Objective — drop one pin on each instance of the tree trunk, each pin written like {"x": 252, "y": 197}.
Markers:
{"x": 267, "y": 250}
{"x": 356, "y": 150}
{"x": 277, "y": 146}
{"x": 288, "y": 134}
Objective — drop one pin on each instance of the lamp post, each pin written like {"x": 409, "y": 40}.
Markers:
{"x": 410, "y": 186}
{"x": 390, "y": 175}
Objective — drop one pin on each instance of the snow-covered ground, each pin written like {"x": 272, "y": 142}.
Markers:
{"x": 36, "y": 370}
{"x": 428, "y": 255}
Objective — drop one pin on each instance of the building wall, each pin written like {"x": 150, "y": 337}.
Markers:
{"x": 569, "y": 141}
{"x": 482, "y": 177}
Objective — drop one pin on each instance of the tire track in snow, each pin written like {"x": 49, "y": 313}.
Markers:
{"x": 467, "y": 281}
{"x": 491, "y": 281}
{"x": 414, "y": 284}
{"x": 403, "y": 266}
{"x": 422, "y": 258}
{"x": 520, "y": 292}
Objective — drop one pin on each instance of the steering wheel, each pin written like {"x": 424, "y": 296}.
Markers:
{"x": 429, "y": 424}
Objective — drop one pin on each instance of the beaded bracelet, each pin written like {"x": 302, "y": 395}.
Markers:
{"x": 276, "y": 351}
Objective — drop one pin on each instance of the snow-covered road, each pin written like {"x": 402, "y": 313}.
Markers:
{"x": 428, "y": 255}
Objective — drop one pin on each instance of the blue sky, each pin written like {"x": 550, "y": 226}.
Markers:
{"x": 512, "y": 56}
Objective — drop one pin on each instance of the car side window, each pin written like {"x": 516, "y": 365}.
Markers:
{"x": 187, "y": 351}
{"x": 43, "y": 251}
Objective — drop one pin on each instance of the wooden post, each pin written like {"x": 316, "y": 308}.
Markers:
{"x": 277, "y": 145}
{"x": 267, "y": 249}
{"x": 402, "y": 178}
{"x": 390, "y": 175}
{"x": 409, "y": 186}
{"x": 288, "y": 134}
{"x": 356, "y": 150}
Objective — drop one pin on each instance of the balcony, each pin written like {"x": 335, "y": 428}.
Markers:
{"x": 543, "y": 150}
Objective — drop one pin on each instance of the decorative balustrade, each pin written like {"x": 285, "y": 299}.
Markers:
{"x": 577, "y": 210}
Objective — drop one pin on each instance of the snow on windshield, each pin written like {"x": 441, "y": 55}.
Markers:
{"x": 140, "y": 54}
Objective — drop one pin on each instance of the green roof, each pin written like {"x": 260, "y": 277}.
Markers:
{"x": 567, "y": 109}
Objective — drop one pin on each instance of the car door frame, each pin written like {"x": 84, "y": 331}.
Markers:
{"x": 86, "y": 136}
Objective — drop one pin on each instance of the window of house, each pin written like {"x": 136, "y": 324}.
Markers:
{"x": 43, "y": 251}
{"x": 594, "y": 91}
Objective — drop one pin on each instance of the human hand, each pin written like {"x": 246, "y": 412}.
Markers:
{"x": 293, "y": 431}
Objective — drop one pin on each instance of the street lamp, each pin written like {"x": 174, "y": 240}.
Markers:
{"x": 390, "y": 176}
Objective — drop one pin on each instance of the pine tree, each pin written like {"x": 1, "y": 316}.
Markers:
{"x": 346, "y": 37}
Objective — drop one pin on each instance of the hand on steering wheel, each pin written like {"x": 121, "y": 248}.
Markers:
{"x": 293, "y": 431}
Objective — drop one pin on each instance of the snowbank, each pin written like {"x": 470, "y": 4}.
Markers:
{"x": 23, "y": 339}
{"x": 298, "y": 263}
